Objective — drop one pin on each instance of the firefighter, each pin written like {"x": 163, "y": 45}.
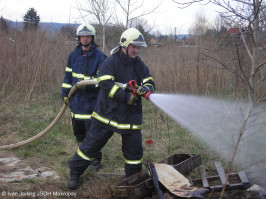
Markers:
{"x": 117, "y": 110}
{"x": 83, "y": 64}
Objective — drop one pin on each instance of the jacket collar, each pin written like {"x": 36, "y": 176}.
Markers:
{"x": 90, "y": 51}
{"x": 127, "y": 60}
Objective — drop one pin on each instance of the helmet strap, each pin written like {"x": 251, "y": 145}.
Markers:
{"x": 126, "y": 50}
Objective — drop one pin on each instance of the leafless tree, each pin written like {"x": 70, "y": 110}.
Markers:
{"x": 101, "y": 10}
{"x": 247, "y": 50}
{"x": 199, "y": 27}
{"x": 130, "y": 9}
{"x": 246, "y": 14}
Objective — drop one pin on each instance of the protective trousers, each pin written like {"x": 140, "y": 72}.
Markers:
{"x": 80, "y": 127}
{"x": 96, "y": 139}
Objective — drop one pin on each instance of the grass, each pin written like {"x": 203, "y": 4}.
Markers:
{"x": 22, "y": 121}
{"x": 29, "y": 102}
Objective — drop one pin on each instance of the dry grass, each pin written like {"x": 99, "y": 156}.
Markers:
{"x": 31, "y": 72}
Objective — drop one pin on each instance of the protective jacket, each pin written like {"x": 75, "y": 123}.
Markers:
{"x": 82, "y": 66}
{"x": 111, "y": 109}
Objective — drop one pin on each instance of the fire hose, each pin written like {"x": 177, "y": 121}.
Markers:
{"x": 56, "y": 119}
{"x": 130, "y": 86}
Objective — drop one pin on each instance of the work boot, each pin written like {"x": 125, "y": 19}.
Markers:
{"x": 95, "y": 165}
{"x": 73, "y": 181}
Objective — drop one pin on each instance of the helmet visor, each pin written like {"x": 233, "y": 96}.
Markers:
{"x": 140, "y": 44}
{"x": 85, "y": 33}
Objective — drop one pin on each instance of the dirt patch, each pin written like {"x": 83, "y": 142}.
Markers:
{"x": 14, "y": 169}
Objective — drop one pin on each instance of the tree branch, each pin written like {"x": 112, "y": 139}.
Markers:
{"x": 227, "y": 67}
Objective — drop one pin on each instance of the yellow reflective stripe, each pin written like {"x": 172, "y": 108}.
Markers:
{"x": 136, "y": 127}
{"x": 65, "y": 85}
{"x": 147, "y": 79}
{"x": 84, "y": 156}
{"x": 133, "y": 162}
{"x": 76, "y": 75}
{"x": 113, "y": 91}
{"x": 80, "y": 116}
{"x": 115, "y": 124}
{"x": 102, "y": 119}
{"x": 148, "y": 84}
{"x": 89, "y": 78}
{"x": 68, "y": 69}
{"x": 123, "y": 126}
{"x": 105, "y": 77}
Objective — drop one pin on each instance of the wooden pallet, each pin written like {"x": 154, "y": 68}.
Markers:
{"x": 140, "y": 185}
{"x": 216, "y": 183}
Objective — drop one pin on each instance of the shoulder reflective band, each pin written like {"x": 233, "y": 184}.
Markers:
{"x": 83, "y": 156}
{"x": 147, "y": 79}
{"x": 133, "y": 162}
{"x": 105, "y": 77}
{"x": 80, "y": 116}
{"x": 115, "y": 124}
{"x": 65, "y": 85}
{"x": 113, "y": 91}
{"x": 68, "y": 69}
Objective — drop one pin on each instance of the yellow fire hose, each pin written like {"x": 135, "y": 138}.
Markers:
{"x": 56, "y": 119}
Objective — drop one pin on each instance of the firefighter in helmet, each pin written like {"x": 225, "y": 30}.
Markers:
{"x": 117, "y": 110}
{"x": 83, "y": 64}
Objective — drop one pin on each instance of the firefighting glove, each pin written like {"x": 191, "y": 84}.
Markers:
{"x": 131, "y": 99}
{"x": 81, "y": 87}
{"x": 66, "y": 100}
{"x": 142, "y": 90}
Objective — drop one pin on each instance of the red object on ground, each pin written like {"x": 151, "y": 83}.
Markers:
{"x": 149, "y": 142}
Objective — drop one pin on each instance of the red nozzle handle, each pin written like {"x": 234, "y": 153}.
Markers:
{"x": 132, "y": 84}
{"x": 146, "y": 96}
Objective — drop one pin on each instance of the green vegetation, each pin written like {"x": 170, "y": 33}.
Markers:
{"x": 22, "y": 121}
{"x": 31, "y": 72}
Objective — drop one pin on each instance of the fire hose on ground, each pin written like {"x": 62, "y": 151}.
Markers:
{"x": 131, "y": 85}
{"x": 56, "y": 119}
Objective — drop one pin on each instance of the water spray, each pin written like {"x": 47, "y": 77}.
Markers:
{"x": 218, "y": 123}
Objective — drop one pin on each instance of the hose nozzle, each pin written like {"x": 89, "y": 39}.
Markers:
{"x": 146, "y": 96}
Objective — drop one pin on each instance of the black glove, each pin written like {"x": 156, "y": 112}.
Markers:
{"x": 131, "y": 99}
{"x": 142, "y": 90}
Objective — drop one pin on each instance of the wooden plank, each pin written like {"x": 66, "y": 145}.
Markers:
{"x": 221, "y": 172}
{"x": 244, "y": 179}
{"x": 202, "y": 172}
{"x": 216, "y": 177}
{"x": 218, "y": 188}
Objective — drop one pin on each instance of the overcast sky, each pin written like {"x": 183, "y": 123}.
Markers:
{"x": 167, "y": 17}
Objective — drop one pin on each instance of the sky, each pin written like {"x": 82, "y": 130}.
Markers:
{"x": 166, "y": 19}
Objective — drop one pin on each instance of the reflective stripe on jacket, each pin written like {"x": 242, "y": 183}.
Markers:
{"x": 111, "y": 109}
{"x": 82, "y": 66}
